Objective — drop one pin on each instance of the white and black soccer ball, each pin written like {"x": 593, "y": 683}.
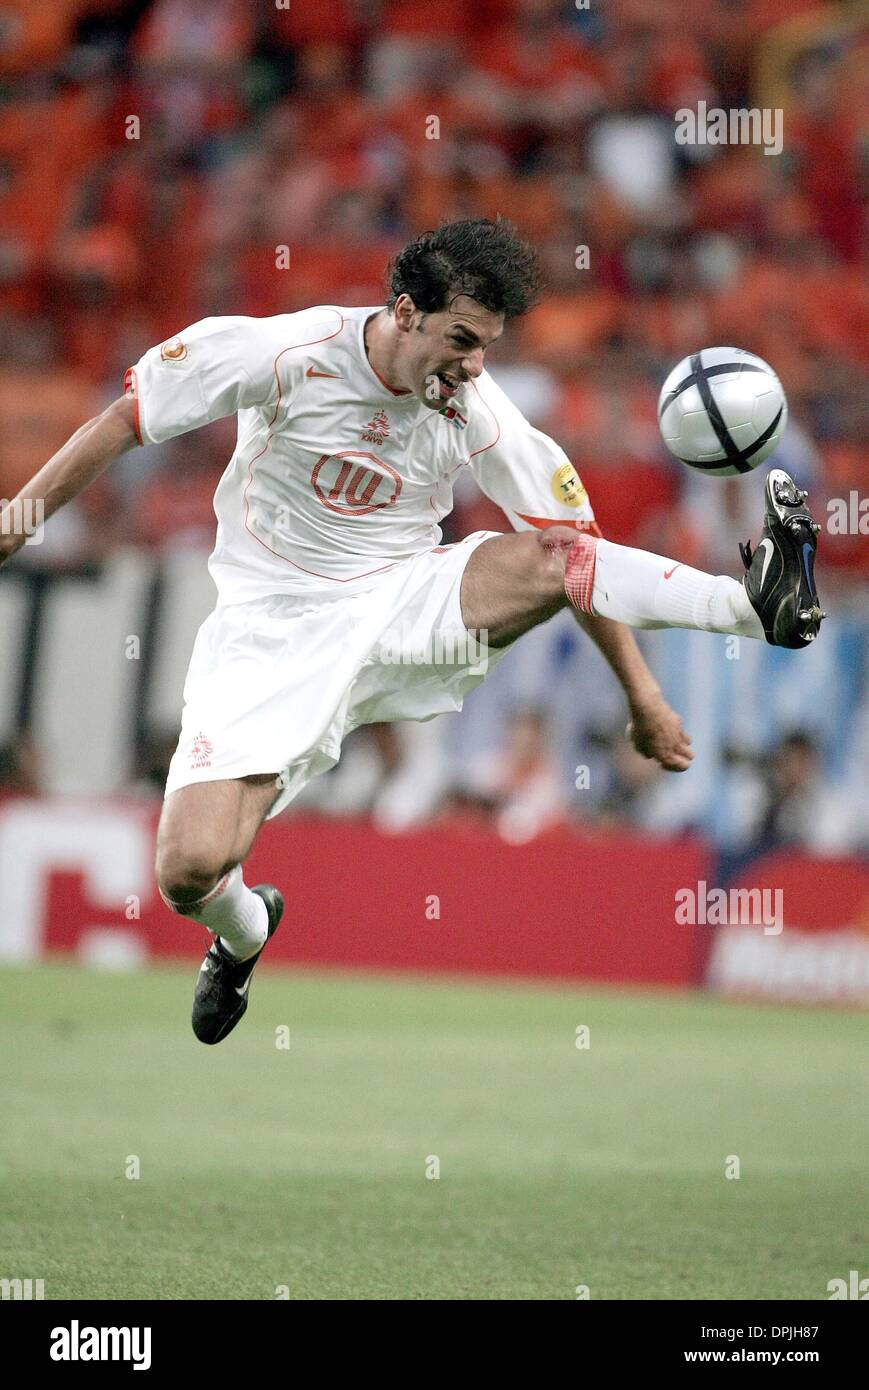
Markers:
{"x": 722, "y": 411}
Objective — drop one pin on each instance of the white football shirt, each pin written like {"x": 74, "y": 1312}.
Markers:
{"x": 336, "y": 477}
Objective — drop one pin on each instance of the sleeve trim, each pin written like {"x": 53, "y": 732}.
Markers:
{"x": 577, "y": 523}
{"x": 131, "y": 389}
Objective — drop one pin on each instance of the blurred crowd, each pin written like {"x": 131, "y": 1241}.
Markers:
{"x": 156, "y": 154}
{"x": 401, "y": 776}
{"x": 784, "y": 800}
{"x": 164, "y": 160}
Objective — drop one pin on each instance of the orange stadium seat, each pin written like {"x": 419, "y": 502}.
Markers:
{"x": 39, "y": 414}
{"x": 112, "y": 241}
{"x": 569, "y": 325}
{"x": 33, "y": 35}
{"x": 186, "y": 32}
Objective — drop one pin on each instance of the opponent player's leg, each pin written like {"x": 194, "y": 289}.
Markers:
{"x": 511, "y": 583}
{"x": 206, "y": 831}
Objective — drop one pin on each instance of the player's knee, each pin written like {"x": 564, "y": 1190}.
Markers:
{"x": 548, "y": 559}
{"x": 187, "y": 873}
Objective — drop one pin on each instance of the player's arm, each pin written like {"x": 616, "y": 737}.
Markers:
{"x": 655, "y": 729}
{"x": 213, "y": 369}
{"x": 535, "y": 484}
{"x": 83, "y": 457}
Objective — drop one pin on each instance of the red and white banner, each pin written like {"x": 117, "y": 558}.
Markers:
{"x": 822, "y": 953}
{"x": 77, "y": 876}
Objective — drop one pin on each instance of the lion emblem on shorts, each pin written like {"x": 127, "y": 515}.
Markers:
{"x": 201, "y": 752}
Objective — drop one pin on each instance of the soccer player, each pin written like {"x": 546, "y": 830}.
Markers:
{"x": 352, "y": 426}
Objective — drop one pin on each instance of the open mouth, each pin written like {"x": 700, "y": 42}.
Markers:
{"x": 449, "y": 384}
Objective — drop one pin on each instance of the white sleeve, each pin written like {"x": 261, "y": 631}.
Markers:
{"x": 525, "y": 472}
{"x": 212, "y": 369}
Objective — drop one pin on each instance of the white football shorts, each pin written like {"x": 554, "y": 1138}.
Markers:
{"x": 275, "y": 683}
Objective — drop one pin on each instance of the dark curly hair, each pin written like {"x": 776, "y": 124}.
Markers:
{"x": 478, "y": 257}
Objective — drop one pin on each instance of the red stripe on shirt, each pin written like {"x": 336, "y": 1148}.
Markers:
{"x": 541, "y": 522}
{"x": 131, "y": 389}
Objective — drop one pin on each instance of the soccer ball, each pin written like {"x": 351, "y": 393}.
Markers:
{"x": 722, "y": 411}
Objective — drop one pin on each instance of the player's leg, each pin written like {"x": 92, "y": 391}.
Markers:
{"x": 206, "y": 831}
{"x": 511, "y": 583}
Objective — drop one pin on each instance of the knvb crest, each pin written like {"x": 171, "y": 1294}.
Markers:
{"x": 377, "y": 429}
{"x": 200, "y": 755}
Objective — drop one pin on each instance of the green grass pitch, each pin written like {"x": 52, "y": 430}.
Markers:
{"x": 306, "y": 1168}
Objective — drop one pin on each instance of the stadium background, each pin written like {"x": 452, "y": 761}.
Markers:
{"x": 276, "y": 158}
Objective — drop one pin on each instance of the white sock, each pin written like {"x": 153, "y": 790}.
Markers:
{"x": 232, "y": 912}
{"x": 646, "y": 590}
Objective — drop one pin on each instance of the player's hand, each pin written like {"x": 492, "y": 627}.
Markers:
{"x": 657, "y": 732}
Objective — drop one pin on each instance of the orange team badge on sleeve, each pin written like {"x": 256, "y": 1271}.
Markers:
{"x": 173, "y": 350}
{"x": 567, "y": 486}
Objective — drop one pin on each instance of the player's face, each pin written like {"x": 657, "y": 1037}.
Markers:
{"x": 438, "y": 353}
